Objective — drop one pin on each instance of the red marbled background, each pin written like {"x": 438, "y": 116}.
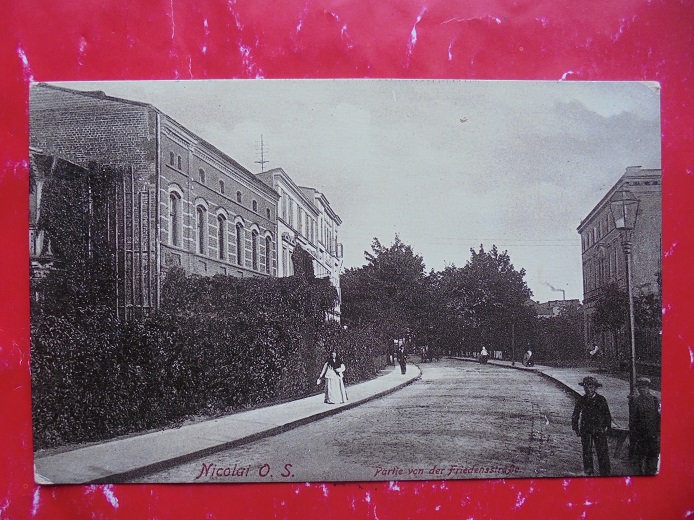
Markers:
{"x": 474, "y": 39}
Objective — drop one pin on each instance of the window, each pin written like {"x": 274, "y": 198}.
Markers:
{"x": 172, "y": 158}
{"x": 221, "y": 236}
{"x": 239, "y": 244}
{"x": 201, "y": 224}
{"x": 221, "y": 187}
{"x": 255, "y": 206}
{"x": 267, "y": 212}
{"x": 268, "y": 254}
{"x": 254, "y": 249}
{"x": 291, "y": 213}
{"x": 284, "y": 207}
{"x": 201, "y": 176}
{"x": 174, "y": 219}
{"x": 238, "y": 197}
{"x": 180, "y": 163}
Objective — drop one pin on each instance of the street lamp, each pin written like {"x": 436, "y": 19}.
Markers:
{"x": 624, "y": 206}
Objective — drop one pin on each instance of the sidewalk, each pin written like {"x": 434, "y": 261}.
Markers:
{"x": 122, "y": 459}
{"x": 615, "y": 390}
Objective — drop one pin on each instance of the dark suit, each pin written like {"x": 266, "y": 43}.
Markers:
{"x": 402, "y": 359}
{"x": 645, "y": 433}
{"x": 591, "y": 420}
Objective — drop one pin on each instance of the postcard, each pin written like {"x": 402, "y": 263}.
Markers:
{"x": 344, "y": 280}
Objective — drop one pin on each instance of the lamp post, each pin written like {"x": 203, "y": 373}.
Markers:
{"x": 513, "y": 343}
{"x": 624, "y": 207}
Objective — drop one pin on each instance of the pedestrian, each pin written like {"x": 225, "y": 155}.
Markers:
{"x": 591, "y": 421}
{"x": 333, "y": 375}
{"x": 528, "y": 359}
{"x": 402, "y": 359}
{"x": 484, "y": 355}
{"x": 644, "y": 429}
{"x": 595, "y": 352}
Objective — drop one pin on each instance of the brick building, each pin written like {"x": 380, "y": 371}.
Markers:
{"x": 306, "y": 219}
{"x": 603, "y": 256}
{"x": 177, "y": 201}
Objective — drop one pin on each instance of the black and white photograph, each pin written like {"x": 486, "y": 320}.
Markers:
{"x": 239, "y": 281}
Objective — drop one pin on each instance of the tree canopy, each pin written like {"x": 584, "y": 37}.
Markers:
{"x": 483, "y": 302}
{"x": 389, "y": 289}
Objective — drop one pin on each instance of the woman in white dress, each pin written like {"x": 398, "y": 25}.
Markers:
{"x": 332, "y": 373}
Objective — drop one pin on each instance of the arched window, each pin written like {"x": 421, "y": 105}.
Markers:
{"x": 239, "y": 244}
{"x": 180, "y": 164}
{"x": 238, "y": 197}
{"x": 255, "y": 206}
{"x": 254, "y": 246}
{"x": 268, "y": 254}
{"x": 201, "y": 225}
{"x": 174, "y": 219}
{"x": 201, "y": 175}
{"x": 267, "y": 212}
{"x": 172, "y": 158}
{"x": 221, "y": 236}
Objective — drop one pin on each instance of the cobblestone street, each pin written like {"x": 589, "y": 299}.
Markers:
{"x": 461, "y": 420}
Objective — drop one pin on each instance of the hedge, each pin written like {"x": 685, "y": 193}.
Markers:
{"x": 217, "y": 345}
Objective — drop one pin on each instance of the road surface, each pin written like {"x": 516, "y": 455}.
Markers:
{"x": 461, "y": 420}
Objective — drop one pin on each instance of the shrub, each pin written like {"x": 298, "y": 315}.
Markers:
{"x": 217, "y": 344}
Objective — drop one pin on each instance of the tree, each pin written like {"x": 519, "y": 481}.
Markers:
{"x": 612, "y": 311}
{"x": 561, "y": 336}
{"x": 388, "y": 290}
{"x": 484, "y": 303}
{"x": 302, "y": 262}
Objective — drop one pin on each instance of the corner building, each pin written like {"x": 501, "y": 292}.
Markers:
{"x": 181, "y": 202}
{"x": 604, "y": 261}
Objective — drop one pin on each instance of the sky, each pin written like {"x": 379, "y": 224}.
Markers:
{"x": 447, "y": 165}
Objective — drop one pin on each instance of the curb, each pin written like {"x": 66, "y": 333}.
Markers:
{"x": 123, "y": 477}
{"x": 615, "y": 431}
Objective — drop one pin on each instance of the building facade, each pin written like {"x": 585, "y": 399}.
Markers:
{"x": 177, "y": 201}
{"x": 603, "y": 257}
{"x": 306, "y": 219}
{"x": 553, "y": 308}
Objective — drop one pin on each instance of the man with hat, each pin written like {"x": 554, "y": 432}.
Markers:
{"x": 591, "y": 420}
{"x": 644, "y": 428}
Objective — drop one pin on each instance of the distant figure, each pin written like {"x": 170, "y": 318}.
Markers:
{"x": 332, "y": 373}
{"x": 484, "y": 355}
{"x": 402, "y": 359}
{"x": 528, "y": 359}
{"x": 595, "y": 352}
{"x": 591, "y": 421}
{"x": 424, "y": 352}
{"x": 644, "y": 430}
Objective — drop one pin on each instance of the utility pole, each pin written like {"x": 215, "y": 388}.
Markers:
{"x": 513, "y": 343}
{"x": 262, "y": 160}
